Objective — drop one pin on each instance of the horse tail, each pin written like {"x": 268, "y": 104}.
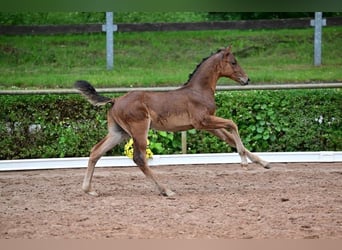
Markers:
{"x": 88, "y": 91}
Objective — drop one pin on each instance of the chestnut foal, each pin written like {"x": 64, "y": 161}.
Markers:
{"x": 190, "y": 106}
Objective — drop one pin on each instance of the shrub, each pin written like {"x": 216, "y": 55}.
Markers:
{"x": 64, "y": 126}
{"x": 291, "y": 120}
{"x": 68, "y": 126}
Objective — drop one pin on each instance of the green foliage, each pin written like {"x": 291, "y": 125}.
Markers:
{"x": 159, "y": 17}
{"x": 286, "y": 120}
{"x": 67, "y": 126}
{"x": 49, "y": 126}
{"x": 43, "y": 18}
{"x": 162, "y": 142}
{"x": 256, "y": 15}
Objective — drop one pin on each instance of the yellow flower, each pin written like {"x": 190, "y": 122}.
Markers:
{"x": 128, "y": 149}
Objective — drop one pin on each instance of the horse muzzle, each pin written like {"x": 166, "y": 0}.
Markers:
{"x": 244, "y": 81}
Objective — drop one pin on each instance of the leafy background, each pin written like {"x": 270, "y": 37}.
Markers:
{"x": 269, "y": 121}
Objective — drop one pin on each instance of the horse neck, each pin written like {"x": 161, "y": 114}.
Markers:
{"x": 206, "y": 76}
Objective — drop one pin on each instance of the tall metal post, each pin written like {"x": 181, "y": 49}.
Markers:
{"x": 109, "y": 28}
{"x": 318, "y": 23}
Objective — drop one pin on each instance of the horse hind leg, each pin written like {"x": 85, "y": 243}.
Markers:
{"x": 114, "y": 137}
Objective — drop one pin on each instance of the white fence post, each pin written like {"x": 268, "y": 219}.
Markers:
{"x": 318, "y": 23}
{"x": 109, "y": 28}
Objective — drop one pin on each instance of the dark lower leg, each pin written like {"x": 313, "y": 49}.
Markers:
{"x": 140, "y": 159}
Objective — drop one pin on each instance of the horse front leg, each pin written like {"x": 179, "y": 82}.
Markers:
{"x": 139, "y": 157}
{"x": 224, "y": 135}
{"x": 218, "y": 126}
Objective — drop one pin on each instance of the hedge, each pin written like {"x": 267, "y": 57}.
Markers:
{"x": 46, "y": 126}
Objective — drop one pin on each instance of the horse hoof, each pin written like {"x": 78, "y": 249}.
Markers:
{"x": 92, "y": 193}
{"x": 244, "y": 166}
{"x": 168, "y": 193}
{"x": 266, "y": 165}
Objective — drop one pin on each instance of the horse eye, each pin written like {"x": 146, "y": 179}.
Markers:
{"x": 234, "y": 63}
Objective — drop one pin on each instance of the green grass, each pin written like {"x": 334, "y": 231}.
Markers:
{"x": 165, "y": 58}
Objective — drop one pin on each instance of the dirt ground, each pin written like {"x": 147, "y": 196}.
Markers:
{"x": 289, "y": 201}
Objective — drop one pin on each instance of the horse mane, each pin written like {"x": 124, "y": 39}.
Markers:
{"x": 198, "y": 65}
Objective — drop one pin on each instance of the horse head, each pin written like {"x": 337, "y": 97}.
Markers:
{"x": 229, "y": 67}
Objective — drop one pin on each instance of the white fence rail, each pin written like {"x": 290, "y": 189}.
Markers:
{"x": 159, "y": 160}
{"x": 218, "y": 88}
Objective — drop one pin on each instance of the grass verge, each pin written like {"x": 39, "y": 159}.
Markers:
{"x": 165, "y": 58}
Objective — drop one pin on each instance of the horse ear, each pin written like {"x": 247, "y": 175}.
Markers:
{"x": 227, "y": 51}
